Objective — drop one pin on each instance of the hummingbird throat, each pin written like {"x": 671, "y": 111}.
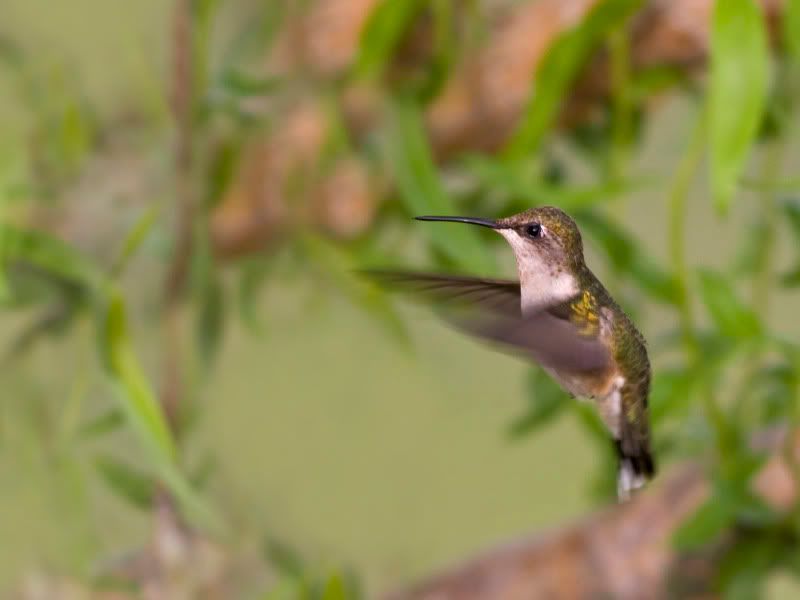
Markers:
{"x": 544, "y": 279}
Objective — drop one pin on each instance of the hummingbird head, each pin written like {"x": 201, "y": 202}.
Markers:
{"x": 547, "y": 246}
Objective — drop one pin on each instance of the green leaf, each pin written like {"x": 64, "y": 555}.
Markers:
{"x": 705, "y": 525}
{"x": 546, "y": 401}
{"x": 381, "y": 34}
{"x": 211, "y": 320}
{"x": 142, "y": 409}
{"x": 422, "y": 193}
{"x": 627, "y": 256}
{"x": 335, "y": 589}
{"x": 133, "y": 241}
{"x": 559, "y": 68}
{"x": 744, "y": 567}
{"x": 128, "y": 483}
{"x": 106, "y": 423}
{"x": 738, "y": 91}
{"x": 526, "y": 189}
{"x": 791, "y": 29}
{"x": 731, "y": 316}
{"x": 251, "y": 279}
{"x": 284, "y": 558}
{"x": 671, "y": 393}
{"x": 49, "y": 254}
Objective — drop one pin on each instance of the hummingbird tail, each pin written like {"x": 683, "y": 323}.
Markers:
{"x": 635, "y": 469}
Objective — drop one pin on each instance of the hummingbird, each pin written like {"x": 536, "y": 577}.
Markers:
{"x": 561, "y": 316}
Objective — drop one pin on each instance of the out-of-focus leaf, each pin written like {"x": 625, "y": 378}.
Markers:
{"x": 791, "y": 278}
{"x": 526, "y": 189}
{"x": 558, "y": 70}
{"x": 730, "y": 315}
{"x": 49, "y": 254}
{"x": 108, "y": 422}
{"x": 335, "y": 589}
{"x": 791, "y": 29}
{"x": 743, "y": 569}
{"x": 738, "y": 91}
{"x": 671, "y": 393}
{"x": 284, "y": 558}
{"x": 337, "y": 264}
{"x": 211, "y": 320}
{"x": 246, "y": 85}
{"x": 546, "y": 401}
{"x": 128, "y": 483}
{"x": 791, "y": 209}
{"x": 142, "y": 409}
{"x": 709, "y": 521}
{"x": 133, "y": 241}
{"x": 422, "y": 192}
{"x": 251, "y": 278}
{"x": 382, "y": 33}
{"x": 628, "y": 257}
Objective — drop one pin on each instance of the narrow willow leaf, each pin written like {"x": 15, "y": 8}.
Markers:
{"x": 133, "y": 241}
{"x": 705, "y": 525}
{"x": 738, "y": 91}
{"x": 142, "y": 409}
{"x": 731, "y": 316}
{"x": 383, "y": 31}
{"x": 560, "y": 67}
{"x": 791, "y": 29}
{"x": 422, "y": 193}
{"x": 48, "y": 254}
{"x": 125, "y": 481}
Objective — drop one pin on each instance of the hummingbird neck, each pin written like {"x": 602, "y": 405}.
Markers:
{"x": 543, "y": 284}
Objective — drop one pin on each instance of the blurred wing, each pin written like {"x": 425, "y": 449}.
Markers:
{"x": 492, "y": 295}
{"x": 491, "y": 309}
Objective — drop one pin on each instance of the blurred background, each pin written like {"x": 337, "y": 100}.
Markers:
{"x": 202, "y": 397}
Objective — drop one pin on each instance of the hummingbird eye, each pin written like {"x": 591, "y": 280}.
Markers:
{"x": 534, "y": 231}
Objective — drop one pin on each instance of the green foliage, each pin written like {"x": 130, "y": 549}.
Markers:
{"x": 737, "y": 93}
{"x": 560, "y": 67}
{"x": 423, "y": 194}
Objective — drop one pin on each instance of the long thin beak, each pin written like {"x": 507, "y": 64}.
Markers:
{"x": 471, "y": 220}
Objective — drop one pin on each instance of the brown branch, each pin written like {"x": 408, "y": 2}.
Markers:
{"x": 624, "y": 552}
{"x": 177, "y": 274}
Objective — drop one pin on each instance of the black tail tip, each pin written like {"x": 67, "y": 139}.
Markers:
{"x": 641, "y": 462}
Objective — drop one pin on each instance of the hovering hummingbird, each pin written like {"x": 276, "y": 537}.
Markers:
{"x": 561, "y": 316}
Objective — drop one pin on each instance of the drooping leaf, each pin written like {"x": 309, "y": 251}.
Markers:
{"x": 422, "y": 193}
{"x": 706, "y": 524}
{"x": 142, "y": 410}
{"x": 125, "y": 481}
{"x": 738, "y": 91}
{"x": 546, "y": 401}
{"x": 251, "y": 279}
{"x": 731, "y": 316}
{"x": 559, "y": 68}
{"x": 383, "y": 31}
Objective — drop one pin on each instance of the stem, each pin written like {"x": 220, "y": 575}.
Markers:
{"x": 678, "y": 199}
{"x": 175, "y": 282}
